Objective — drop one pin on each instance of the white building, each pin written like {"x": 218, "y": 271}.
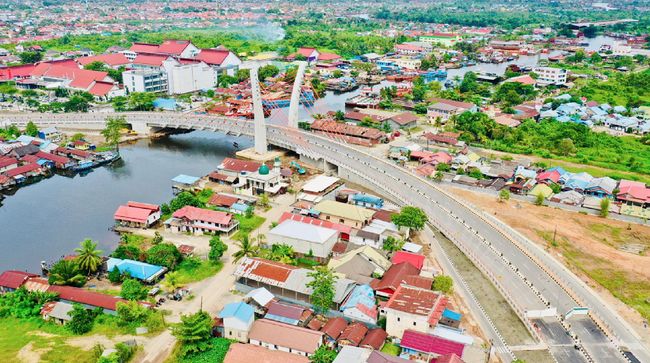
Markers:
{"x": 274, "y": 335}
{"x": 304, "y": 238}
{"x": 413, "y": 308}
{"x": 237, "y": 318}
{"x": 222, "y": 61}
{"x": 188, "y": 76}
{"x": 145, "y": 80}
{"x": 264, "y": 180}
{"x": 550, "y": 75}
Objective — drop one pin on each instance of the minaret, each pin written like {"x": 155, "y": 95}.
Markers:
{"x": 261, "y": 146}
{"x": 295, "y": 95}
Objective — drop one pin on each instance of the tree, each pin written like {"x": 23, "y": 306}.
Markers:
{"x": 66, "y": 272}
{"x": 504, "y": 195}
{"x": 443, "y": 283}
{"x": 115, "y": 276}
{"x": 263, "y": 200}
{"x": 171, "y": 282}
{"x": 31, "y": 129}
{"x": 157, "y": 238}
{"x": 128, "y": 251}
{"x": 113, "y": 130}
{"x": 283, "y": 253}
{"x": 323, "y": 355}
{"x": 132, "y": 289}
{"x": 247, "y": 248}
{"x": 438, "y": 176}
{"x": 141, "y": 101}
{"x": 194, "y": 332}
{"x": 322, "y": 285}
{"x": 164, "y": 254}
{"x": 539, "y": 199}
{"x": 392, "y": 244}
{"x": 184, "y": 199}
{"x": 604, "y": 207}
{"x": 411, "y": 217}
{"x": 77, "y": 136}
{"x": 339, "y": 115}
{"x": 30, "y": 57}
{"x": 89, "y": 257}
{"x": 82, "y": 319}
{"x": 131, "y": 312}
{"x": 267, "y": 71}
{"x": 76, "y": 103}
{"x": 566, "y": 147}
{"x": 443, "y": 167}
{"x": 95, "y": 66}
{"x": 217, "y": 248}
{"x": 22, "y": 303}
{"x": 469, "y": 83}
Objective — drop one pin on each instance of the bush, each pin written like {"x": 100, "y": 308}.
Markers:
{"x": 217, "y": 248}
{"x": 82, "y": 319}
{"x": 129, "y": 252}
{"x": 443, "y": 283}
{"x": 131, "y": 313}
{"x": 164, "y": 254}
{"x": 115, "y": 276}
{"x": 133, "y": 290}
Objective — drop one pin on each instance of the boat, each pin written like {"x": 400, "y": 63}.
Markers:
{"x": 235, "y": 144}
{"x": 84, "y": 165}
{"x": 107, "y": 157}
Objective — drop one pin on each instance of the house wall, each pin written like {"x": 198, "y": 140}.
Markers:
{"x": 189, "y": 77}
{"x": 341, "y": 220}
{"x": 277, "y": 347}
{"x": 321, "y": 250}
{"x": 398, "y": 321}
{"x": 152, "y": 81}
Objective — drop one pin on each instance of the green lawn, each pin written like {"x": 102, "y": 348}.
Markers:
{"x": 216, "y": 354}
{"x": 247, "y": 225}
{"x": 189, "y": 272}
{"x": 391, "y": 348}
{"x": 47, "y": 338}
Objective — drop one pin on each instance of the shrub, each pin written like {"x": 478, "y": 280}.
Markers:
{"x": 133, "y": 290}
{"x": 164, "y": 254}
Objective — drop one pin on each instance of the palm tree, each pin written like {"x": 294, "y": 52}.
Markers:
{"x": 66, "y": 272}
{"x": 171, "y": 281}
{"x": 247, "y": 248}
{"x": 89, "y": 257}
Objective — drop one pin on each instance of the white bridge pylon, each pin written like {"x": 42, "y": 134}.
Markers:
{"x": 261, "y": 143}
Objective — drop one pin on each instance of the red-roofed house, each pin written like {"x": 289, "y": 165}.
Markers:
{"x": 633, "y": 193}
{"x": 139, "y": 215}
{"x": 328, "y": 57}
{"x": 413, "y": 308}
{"x": 12, "y": 280}
{"x": 99, "y": 84}
{"x": 201, "y": 221}
{"x": 311, "y": 54}
{"x": 7, "y": 163}
{"x": 414, "y": 259}
{"x": 442, "y": 109}
{"x": 16, "y": 72}
{"x": 178, "y": 48}
{"x": 393, "y": 278}
{"x": 548, "y": 177}
{"x": 234, "y": 167}
{"x": 524, "y": 79}
{"x": 222, "y": 60}
{"x": 420, "y": 346}
{"x": 409, "y": 49}
{"x": 113, "y": 60}
{"x": 89, "y": 299}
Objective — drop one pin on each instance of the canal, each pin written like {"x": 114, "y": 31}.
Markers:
{"x": 48, "y": 219}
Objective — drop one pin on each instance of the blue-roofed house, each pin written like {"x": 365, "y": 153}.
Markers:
{"x": 237, "y": 320}
{"x": 136, "y": 269}
{"x": 184, "y": 182}
{"x": 450, "y": 318}
{"x": 577, "y": 182}
{"x": 361, "y": 305}
{"x": 559, "y": 169}
{"x": 367, "y": 200}
{"x": 601, "y": 187}
{"x": 521, "y": 173}
{"x": 50, "y": 133}
{"x": 239, "y": 208}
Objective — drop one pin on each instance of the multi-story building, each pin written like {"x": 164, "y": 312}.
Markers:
{"x": 185, "y": 76}
{"x": 145, "y": 80}
{"x": 446, "y": 39}
{"x": 201, "y": 221}
{"x": 550, "y": 75}
{"x": 443, "y": 109}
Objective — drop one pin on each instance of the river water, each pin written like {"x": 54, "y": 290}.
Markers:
{"x": 48, "y": 219}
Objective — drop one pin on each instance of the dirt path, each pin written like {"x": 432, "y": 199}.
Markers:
{"x": 29, "y": 355}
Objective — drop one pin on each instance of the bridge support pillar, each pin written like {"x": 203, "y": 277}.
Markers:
{"x": 295, "y": 95}
{"x": 261, "y": 146}
{"x": 141, "y": 128}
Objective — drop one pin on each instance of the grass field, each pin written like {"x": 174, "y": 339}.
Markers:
{"x": 247, "y": 225}
{"x": 189, "y": 272}
{"x": 47, "y": 342}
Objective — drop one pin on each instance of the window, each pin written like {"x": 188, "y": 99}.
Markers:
{"x": 398, "y": 318}
{"x": 414, "y": 323}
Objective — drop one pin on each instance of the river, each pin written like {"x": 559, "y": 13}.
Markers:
{"x": 48, "y": 219}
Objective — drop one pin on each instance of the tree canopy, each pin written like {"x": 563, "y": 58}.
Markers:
{"x": 322, "y": 284}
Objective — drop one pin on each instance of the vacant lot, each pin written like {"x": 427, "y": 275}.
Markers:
{"x": 588, "y": 245}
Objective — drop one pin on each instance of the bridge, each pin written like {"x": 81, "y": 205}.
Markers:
{"x": 533, "y": 282}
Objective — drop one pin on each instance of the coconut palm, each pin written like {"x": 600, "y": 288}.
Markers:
{"x": 66, "y": 272}
{"x": 88, "y": 256}
{"x": 171, "y": 282}
{"x": 247, "y": 248}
